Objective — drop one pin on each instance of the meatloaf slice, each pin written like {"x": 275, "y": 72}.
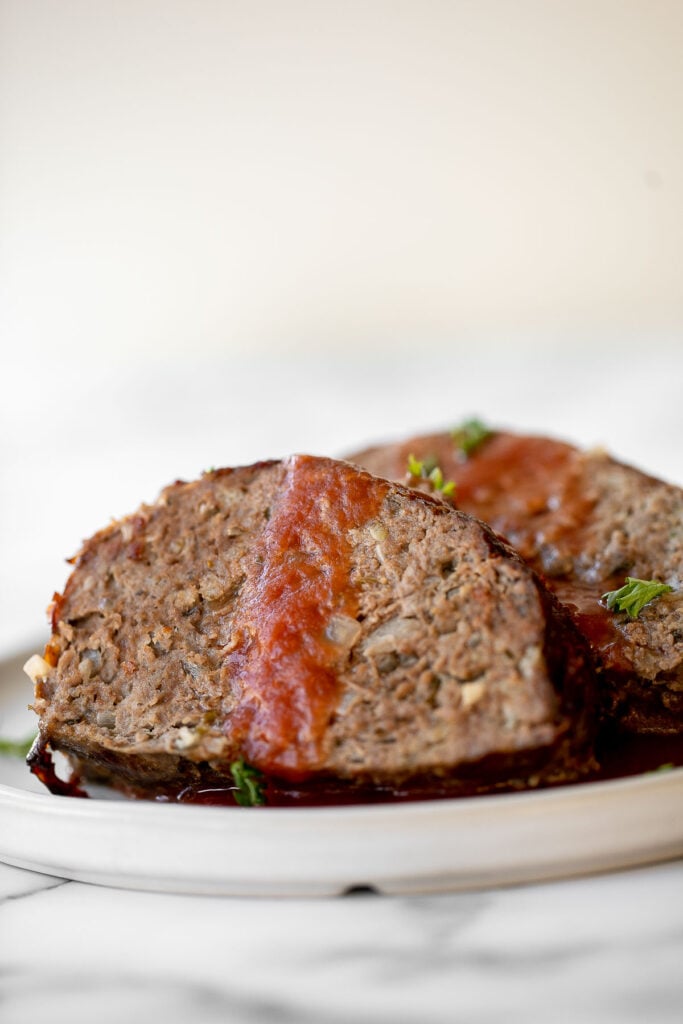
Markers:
{"x": 315, "y": 621}
{"x": 585, "y": 522}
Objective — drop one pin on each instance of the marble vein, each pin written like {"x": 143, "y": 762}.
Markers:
{"x": 18, "y": 884}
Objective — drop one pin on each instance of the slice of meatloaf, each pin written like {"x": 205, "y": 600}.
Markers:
{"x": 585, "y": 522}
{"x": 315, "y": 621}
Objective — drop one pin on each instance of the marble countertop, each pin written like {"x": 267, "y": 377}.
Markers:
{"x": 597, "y": 949}
{"x": 603, "y": 949}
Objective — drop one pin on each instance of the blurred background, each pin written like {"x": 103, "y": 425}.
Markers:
{"x": 233, "y": 230}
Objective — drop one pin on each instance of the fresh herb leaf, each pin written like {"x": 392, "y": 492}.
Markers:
{"x": 668, "y": 767}
{"x": 432, "y": 472}
{"x": 249, "y": 792}
{"x": 436, "y": 476}
{"x": 634, "y": 595}
{"x": 469, "y": 435}
{"x": 415, "y": 467}
{"x": 16, "y": 748}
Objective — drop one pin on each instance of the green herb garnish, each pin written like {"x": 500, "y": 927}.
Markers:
{"x": 432, "y": 472}
{"x": 415, "y": 467}
{"x": 16, "y": 748}
{"x": 249, "y": 792}
{"x": 634, "y": 595}
{"x": 436, "y": 476}
{"x": 668, "y": 767}
{"x": 469, "y": 435}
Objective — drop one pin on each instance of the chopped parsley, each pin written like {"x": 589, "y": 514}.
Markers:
{"x": 16, "y": 748}
{"x": 469, "y": 435}
{"x": 429, "y": 470}
{"x": 415, "y": 467}
{"x": 634, "y": 595}
{"x": 249, "y": 791}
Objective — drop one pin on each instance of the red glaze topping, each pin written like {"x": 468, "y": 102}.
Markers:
{"x": 286, "y": 666}
{"x": 512, "y": 482}
{"x": 508, "y": 481}
{"x": 599, "y": 625}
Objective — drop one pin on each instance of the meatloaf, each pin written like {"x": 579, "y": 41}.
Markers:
{"x": 585, "y": 522}
{"x": 317, "y": 622}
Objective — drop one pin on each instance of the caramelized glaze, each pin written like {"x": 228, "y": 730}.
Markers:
{"x": 286, "y": 665}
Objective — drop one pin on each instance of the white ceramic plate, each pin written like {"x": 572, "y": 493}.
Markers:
{"x": 400, "y": 848}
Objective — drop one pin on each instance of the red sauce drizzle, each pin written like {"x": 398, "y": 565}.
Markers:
{"x": 286, "y": 666}
{"x": 42, "y": 766}
{"x": 519, "y": 485}
{"x": 510, "y": 481}
{"x": 599, "y": 625}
